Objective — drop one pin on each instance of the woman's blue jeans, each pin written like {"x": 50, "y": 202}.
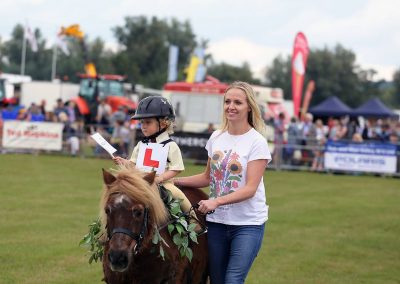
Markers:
{"x": 232, "y": 250}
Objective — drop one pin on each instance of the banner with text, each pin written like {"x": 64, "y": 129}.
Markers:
{"x": 32, "y": 135}
{"x": 370, "y": 157}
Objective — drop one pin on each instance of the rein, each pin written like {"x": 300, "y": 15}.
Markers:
{"x": 138, "y": 237}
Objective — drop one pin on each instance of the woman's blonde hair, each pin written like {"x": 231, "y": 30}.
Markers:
{"x": 254, "y": 117}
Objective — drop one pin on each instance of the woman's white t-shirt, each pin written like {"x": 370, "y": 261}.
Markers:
{"x": 229, "y": 155}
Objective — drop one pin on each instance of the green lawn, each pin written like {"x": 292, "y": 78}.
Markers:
{"x": 322, "y": 228}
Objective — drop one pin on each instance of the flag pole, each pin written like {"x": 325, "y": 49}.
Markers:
{"x": 23, "y": 54}
{"x": 54, "y": 63}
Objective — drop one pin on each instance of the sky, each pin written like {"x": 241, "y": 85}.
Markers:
{"x": 255, "y": 31}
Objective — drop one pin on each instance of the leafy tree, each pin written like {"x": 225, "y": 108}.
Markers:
{"x": 279, "y": 75}
{"x": 37, "y": 64}
{"x": 229, "y": 73}
{"x": 396, "y": 87}
{"x": 335, "y": 73}
{"x": 145, "y": 43}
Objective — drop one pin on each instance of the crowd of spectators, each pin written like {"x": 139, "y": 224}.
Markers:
{"x": 115, "y": 127}
{"x": 302, "y": 141}
{"x": 296, "y": 142}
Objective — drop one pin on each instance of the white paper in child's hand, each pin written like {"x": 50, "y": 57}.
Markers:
{"x": 103, "y": 143}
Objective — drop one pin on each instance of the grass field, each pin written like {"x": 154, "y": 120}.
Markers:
{"x": 322, "y": 228}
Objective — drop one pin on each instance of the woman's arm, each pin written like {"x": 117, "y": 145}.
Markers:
{"x": 255, "y": 171}
{"x": 197, "y": 181}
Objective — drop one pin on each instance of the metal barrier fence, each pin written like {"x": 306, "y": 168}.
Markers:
{"x": 364, "y": 158}
{"x": 369, "y": 157}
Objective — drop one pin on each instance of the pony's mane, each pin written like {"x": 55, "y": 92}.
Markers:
{"x": 130, "y": 181}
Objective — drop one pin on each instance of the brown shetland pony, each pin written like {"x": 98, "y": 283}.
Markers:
{"x": 131, "y": 209}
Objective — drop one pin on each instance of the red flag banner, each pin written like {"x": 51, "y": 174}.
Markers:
{"x": 299, "y": 62}
{"x": 307, "y": 97}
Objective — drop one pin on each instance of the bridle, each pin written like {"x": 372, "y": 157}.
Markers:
{"x": 138, "y": 237}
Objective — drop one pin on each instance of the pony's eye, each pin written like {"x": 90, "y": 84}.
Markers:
{"x": 136, "y": 213}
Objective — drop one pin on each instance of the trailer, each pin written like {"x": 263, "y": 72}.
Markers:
{"x": 10, "y": 85}
{"x": 199, "y": 105}
{"x": 39, "y": 91}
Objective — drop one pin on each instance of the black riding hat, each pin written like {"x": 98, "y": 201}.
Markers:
{"x": 154, "y": 106}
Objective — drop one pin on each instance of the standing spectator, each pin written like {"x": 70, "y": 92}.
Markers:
{"x": 320, "y": 130}
{"x": 367, "y": 132}
{"x": 71, "y": 112}
{"x": 318, "y": 160}
{"x": 342, "y": 130}
{"x": 120, "y": 138}
{"x": 333, "y": 131}
{"x": 119, "y": 115}
{"x": 238, "y": 155}
{"x": 352, "y": 128}
{"x": 309, "y": 134}
{"x": 69, "y": 134}
{"x": 308, "y": 128}
{"x": 293, "y": 141}
{"x": 103, "y": 113}
{"x": 279, "y": 131}
{"x": 318, "y": 151}
{"x": 210, "y": 128}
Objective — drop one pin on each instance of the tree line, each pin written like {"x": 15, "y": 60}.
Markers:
{"x": 142, "y": 56}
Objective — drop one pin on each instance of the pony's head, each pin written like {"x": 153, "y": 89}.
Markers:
{"x": 130, "y": 208}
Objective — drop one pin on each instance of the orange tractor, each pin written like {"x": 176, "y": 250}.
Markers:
{"x": 94, "y": 87}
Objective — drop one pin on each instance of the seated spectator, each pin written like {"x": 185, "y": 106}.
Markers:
{"x": 35, "y": 113}
{"x": 23, "y": 114}
{"x": 357, "y": 137}
{"x": 385, "y": 133}
{"x": 394, "y": 139}
{"x": 59, "y": 108}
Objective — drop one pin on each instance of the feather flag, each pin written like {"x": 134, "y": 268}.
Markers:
{"x": 173, "y": 63}
{"x": 299, "y": 63}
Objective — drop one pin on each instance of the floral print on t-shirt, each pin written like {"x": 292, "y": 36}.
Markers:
{"x": 226, "y": 173}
